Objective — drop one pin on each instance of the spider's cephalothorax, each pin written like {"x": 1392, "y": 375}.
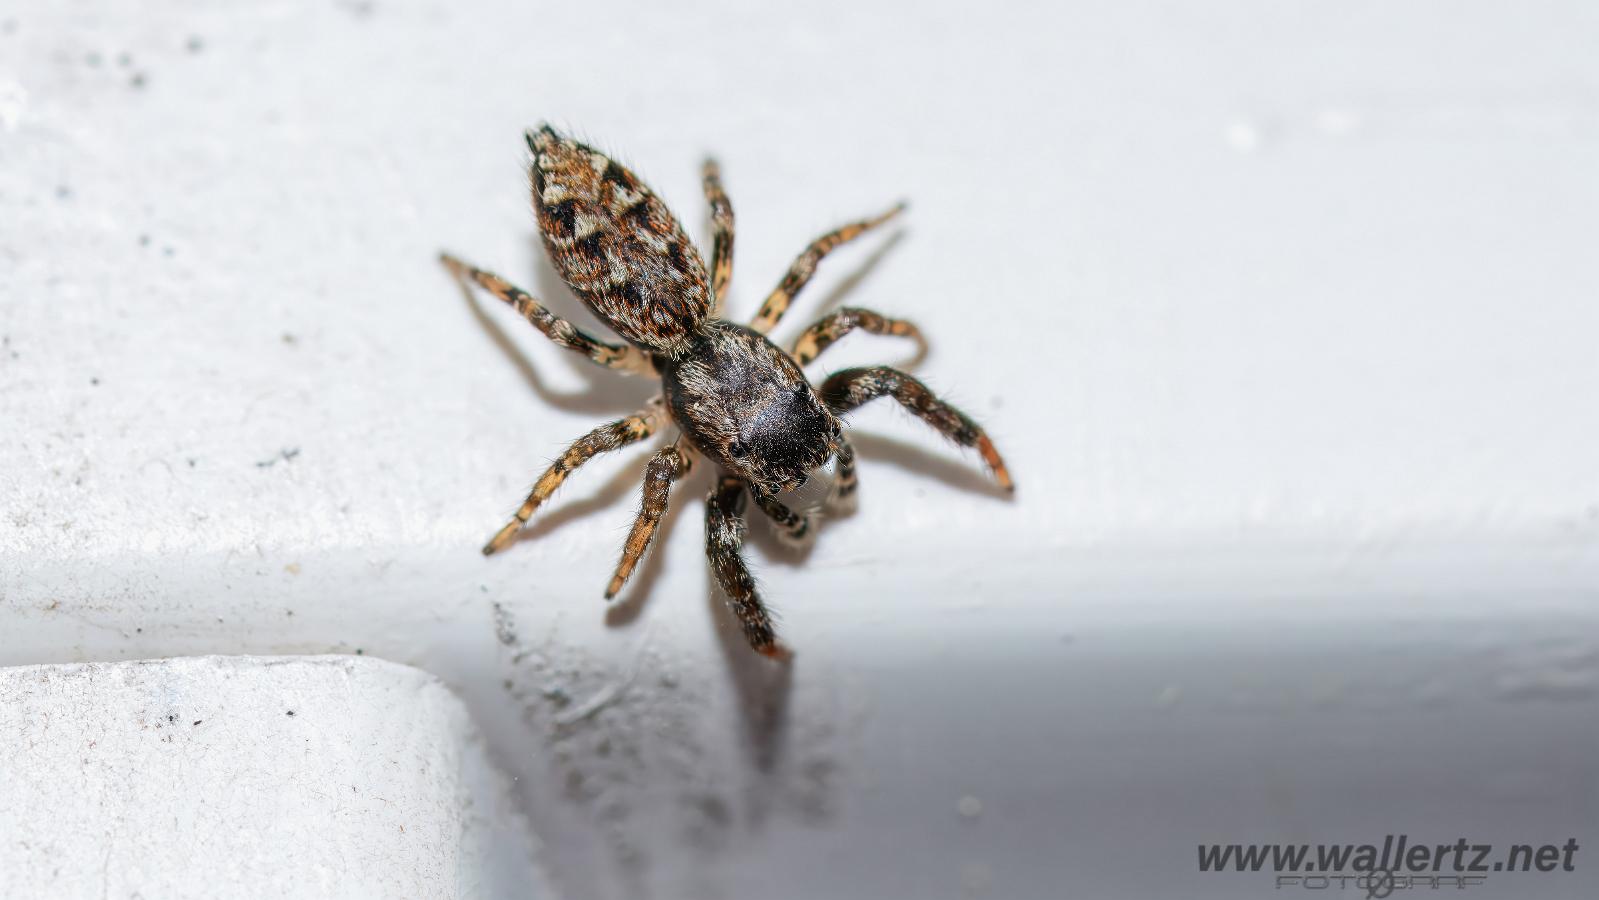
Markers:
{"x": 735, "y": 396}
{"x": 747, "y": 405}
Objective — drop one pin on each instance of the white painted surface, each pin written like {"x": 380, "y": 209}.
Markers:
{"x": 1282, "y": 314}
{"x": 249, "y": 777}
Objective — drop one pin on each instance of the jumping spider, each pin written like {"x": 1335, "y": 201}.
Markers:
{"x": 734, "y": 395}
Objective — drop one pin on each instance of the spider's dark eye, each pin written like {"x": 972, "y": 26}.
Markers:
{"x": 739, "y": 449}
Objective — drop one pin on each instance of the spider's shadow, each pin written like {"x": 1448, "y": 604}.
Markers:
{"x": 964, "y": 474}
{"x": 848, "y": 284}
{"x": 764, "y": 686}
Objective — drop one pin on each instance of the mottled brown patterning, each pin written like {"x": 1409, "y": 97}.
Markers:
{"x": 736, "y": 397}
{"x": 616, "y": 244}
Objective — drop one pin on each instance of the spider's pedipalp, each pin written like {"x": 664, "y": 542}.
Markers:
{"x": 666, "y": 466}
{"x": 847, "y": 389}
{"x": 620, "y": 433}
{"x": 613, "y": 356}
{"x": 804, "y": 266}
{"x": 724, "y": 542}
{"x": 792, "y": 528}
{"x": 833, "y": 326}
{"x": 721, "y": 235}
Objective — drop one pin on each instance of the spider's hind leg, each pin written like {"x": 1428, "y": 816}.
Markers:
{"x": 847, "y": 389}
{"x": 722, "y": 234}
{"x": 804, "y": 266}
{"x": 724, "y": 542}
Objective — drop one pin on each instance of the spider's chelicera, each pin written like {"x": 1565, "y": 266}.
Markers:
{"x": 736, "y": 397}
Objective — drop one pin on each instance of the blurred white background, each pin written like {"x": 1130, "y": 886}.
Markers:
{"x": 1283, "y": 315}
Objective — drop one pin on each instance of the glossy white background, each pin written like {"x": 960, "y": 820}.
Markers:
{"x": 1283, "y": 316}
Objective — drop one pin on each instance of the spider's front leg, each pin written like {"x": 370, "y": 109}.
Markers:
{"x": 624, "y": 357}
{"x": 666, "y": 466}
{"x": 721, "y": 234}
{"x": 848, "y": 389}
{"x": 724, "y": 541}
{"x": 613, "y": 436}
{"x": 804, "y": 266}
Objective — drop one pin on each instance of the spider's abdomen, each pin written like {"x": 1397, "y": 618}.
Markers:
{"x": 616, "y": 244}
{"x": 744, "y": 403}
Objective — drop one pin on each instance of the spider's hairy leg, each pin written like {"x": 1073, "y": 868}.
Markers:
{"x": 724, "y": 540}
{"x": 667, "y": 465}
{"x": 613, "y": 356}
{"x": 842, "y": 496}
{"x": 792, "y": 527}
{"x": 722, "y": 234}
{"x": 848, "y": 389}
{"x": 615, "y": 435}
{"x": 826, "y": 332}
{"x": 804, "y": 266}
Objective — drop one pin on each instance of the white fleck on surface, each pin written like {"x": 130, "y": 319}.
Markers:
{"x": 13, "y": 102}
{"x": 1245, "y": 136}
{"x": 968, "y": 806}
